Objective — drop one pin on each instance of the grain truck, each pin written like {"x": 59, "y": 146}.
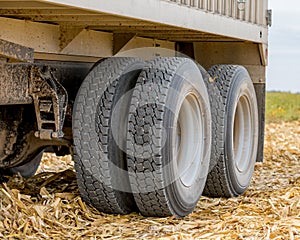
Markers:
{"x": 158, "y": 101}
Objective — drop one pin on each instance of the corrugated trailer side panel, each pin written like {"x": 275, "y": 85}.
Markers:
{"x": 250, "y": 11}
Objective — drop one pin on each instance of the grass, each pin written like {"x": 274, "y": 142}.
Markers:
{"x": 282, "y": 106}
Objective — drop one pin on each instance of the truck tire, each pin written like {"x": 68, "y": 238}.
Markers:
{"x": 169, "y": 138}
{"x": 235, "y": 131}
{"x": 100, "y": 162}
{"x": 27, "y": 170}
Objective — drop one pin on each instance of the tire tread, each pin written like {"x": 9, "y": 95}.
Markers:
{"x": 94, "y": 175}
{"x": 146, "y": 166}
{"x": 218, "y": 85}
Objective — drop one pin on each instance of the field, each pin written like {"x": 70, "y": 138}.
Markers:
{"x": 49, "y": 205}
{"x": 282, "y": 107}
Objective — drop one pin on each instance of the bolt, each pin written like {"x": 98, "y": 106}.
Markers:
{"x": 55, "y": 134}
{"x": 37, "y": 134}
{"x": 8, "y": 152}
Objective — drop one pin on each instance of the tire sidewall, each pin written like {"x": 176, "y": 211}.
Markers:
{"x": 187, "y": 79}
{"x": 100, "y": 162}
{"x": 28, "y": 170}
{"x": 241, "y": 86}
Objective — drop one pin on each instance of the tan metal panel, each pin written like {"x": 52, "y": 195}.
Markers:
{"x": 46, "y": 38}
{"x": 90, "y": 43}
{"x": 211, "y": 53}
{"x": 155, "y": 48}
{"x": 40, "y": 37}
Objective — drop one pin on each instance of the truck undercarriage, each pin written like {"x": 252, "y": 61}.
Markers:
{"x": 66, "y": 67}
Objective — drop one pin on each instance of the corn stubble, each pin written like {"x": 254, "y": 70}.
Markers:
{"x": 49, "y": 206}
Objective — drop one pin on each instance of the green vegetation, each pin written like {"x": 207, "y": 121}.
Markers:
{"x": 282, "y": 106}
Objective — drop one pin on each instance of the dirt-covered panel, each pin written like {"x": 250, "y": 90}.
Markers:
{"x": 14, "y": 82}
{"x": 16, "y": 52}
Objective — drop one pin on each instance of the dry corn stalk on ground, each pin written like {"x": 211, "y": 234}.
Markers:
{"x": 49, "y": 205}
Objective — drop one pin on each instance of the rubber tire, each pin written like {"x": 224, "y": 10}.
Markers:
{"x": 157, "y": 190}
{"x": 29, "y": 169}
{"x": 100, "y": 163}
{"x": 226, "y": 84}
{"x": 26, "y": 170}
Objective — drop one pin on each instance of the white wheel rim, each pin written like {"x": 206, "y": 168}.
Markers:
{"x": 189, "y": 142}
{"x": 242, "y": 135}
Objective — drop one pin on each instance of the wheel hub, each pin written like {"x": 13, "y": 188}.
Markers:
{"x": 242, "y": 131}
{"x": 189, "y": 140}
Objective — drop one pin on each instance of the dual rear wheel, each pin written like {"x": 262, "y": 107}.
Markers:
{"x": 234, "y": 131}
{"x": 144, "y": 135}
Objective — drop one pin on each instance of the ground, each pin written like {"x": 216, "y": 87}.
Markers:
{"x": 49, "y": 206}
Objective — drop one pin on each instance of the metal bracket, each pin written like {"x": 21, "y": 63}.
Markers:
{"x": 67, "y": 35}
{"x": 50, "y": 102}
{"x": 120, "y": 40}
{"x": 15, "y": 52}
{"x": 269, "y": 17}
